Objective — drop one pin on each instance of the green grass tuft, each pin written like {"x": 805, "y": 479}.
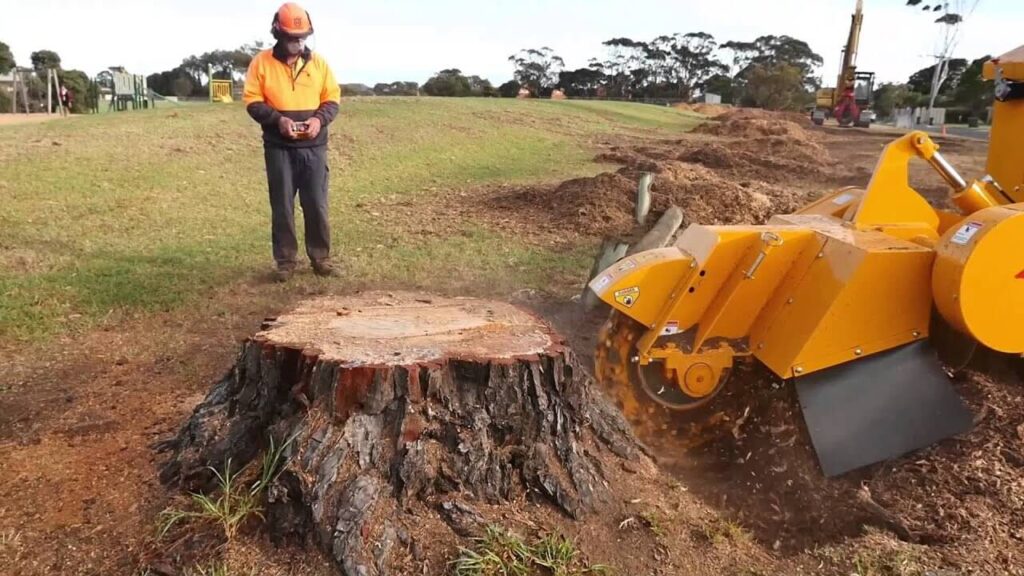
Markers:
{"x": 503, "y": 553}
{"x": 234, "y": 504}
{"x": 720, "y": 530}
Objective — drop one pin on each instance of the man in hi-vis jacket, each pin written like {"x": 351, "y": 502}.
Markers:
{"x": 293, "y": 95}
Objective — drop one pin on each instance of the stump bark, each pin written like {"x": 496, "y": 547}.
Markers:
{"x": 406, "y": 411}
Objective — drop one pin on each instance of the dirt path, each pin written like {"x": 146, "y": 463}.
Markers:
{"x": 78, "y": 419}
{"x": 16, "y": 119}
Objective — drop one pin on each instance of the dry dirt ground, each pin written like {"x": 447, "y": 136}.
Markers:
{"x": 13, "y": 119}
{"x": 740, "y": 494}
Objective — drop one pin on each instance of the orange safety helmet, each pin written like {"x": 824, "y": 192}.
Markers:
{"x": 291, "y": 20}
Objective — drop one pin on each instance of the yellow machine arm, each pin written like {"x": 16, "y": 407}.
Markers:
{"x": 850, "y": 280}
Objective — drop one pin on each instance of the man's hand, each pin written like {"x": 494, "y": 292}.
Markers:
{"x": 313, "y": 127}
{"x": 285, "y": 125}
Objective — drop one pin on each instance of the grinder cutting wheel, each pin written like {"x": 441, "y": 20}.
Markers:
{"x": 842, "y": 296}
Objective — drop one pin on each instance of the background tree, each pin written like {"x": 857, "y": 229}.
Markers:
{"x": 177, "y": 82}
{"x": 778, "y": 86}
{"x": 888, "y": 97}
{"x": 43, "y": 60}
{"x": 6, "y": 59}
{"x": 582, "y": 82}
{"x": 921, "y": 81}
{"x": 356, "y": 89}
{"x": 253, "y": 48}
{"x": 972, "y": 91}
{"x": 723, "y": 85}
{"x": 448, "y": 82}
{"x": 771, "y": 51}
{"x": 105, "y": 79}
{"x": 7, "y": 64}
{"x": 783, "y": 54}
{"x": 625, "y": 68}
{"x": 397, "y": 89}
{"x": 691, "y": 61}
{"x": 509, "y": 89}
{"x": 481, "y": 87}
{"x": 77, "y": 82}
{"x": 537, "y": 70}
{"x": 227, "y": 64}
{"x": 182, "y": 86}
{"x": 196, "y": 69}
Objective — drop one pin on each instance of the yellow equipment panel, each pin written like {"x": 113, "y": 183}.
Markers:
{"x": 642, "y": 285}
{"x": 978, "y": 279}
{"x": 863, "y": 292}
{"x": 1006, "y": 153}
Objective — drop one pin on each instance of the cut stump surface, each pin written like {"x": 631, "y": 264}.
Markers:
{"x": 393, "y": 330}
{"x": 407, "y": 413}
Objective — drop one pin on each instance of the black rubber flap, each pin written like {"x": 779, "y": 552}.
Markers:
{"x": 880, "y": 407}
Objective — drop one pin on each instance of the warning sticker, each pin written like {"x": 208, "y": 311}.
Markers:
{"x": 603, "y": 283}
{"x": 628, "y": 296}
{"x": 671, "y": 327}
{"x": 966, "y": 232}
{"x": 625, "y": 266}
{"x": 842, "y": 199}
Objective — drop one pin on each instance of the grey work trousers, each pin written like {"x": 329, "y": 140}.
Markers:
{"x": 302, "y": 170}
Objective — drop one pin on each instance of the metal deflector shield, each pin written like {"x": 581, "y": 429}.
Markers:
{"x": 880, "y": 407}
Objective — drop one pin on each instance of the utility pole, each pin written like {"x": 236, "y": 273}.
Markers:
{"x": 953, "y": 14}
{"x": 950, "y": 36}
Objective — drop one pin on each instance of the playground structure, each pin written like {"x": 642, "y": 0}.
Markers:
{"x": 20, "y": 91}
{"x": 122, "y": 89}
{"x": 222, "y": 90}
{"x": 129, "y": 90}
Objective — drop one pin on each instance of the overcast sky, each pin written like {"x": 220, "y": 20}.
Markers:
{"x": 373, "y": 41}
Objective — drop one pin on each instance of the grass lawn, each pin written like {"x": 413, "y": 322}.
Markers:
{"x": 135, "y": 211}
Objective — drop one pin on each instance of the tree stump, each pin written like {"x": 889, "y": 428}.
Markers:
{"x": 407, "y": 411}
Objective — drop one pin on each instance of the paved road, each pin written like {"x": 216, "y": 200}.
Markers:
{"x": 962, "y": 131}
{"x": 957, "y": 131}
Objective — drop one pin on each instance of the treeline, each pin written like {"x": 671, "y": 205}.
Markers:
{"x": 191, "y": 78}
{"x": 771, "y": 71}
{"x": 964, "y": 94}
{"x": 34, "y": 80}
{"x": 775, "y": 72}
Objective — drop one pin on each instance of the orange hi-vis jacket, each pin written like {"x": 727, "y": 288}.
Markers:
{"x": 300, "y": 92}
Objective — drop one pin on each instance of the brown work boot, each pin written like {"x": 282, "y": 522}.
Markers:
{"x": 283, "y": 273}
{"x": 326, "y": 269}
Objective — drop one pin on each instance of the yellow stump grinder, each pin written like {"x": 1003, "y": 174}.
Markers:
{"x": 846, "y": 296}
